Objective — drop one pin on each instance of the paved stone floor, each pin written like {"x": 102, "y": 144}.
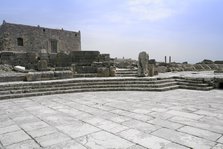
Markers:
{"x": 177, "y": 119}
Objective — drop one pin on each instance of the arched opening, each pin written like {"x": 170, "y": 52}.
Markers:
{"x": 20, "y": 41}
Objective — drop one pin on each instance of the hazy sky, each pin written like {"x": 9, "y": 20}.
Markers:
{"x": 187, "y": 30}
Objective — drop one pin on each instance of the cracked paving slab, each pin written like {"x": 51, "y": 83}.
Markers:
{"x": 177, "y": 119}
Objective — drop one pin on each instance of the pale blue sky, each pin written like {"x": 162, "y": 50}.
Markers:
{"x": 187, "y": 30}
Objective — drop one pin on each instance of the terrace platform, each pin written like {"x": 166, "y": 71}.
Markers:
{"x": 175, "y": 119}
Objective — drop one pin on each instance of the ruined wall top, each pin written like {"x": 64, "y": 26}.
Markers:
{"x": 25, "y": 38}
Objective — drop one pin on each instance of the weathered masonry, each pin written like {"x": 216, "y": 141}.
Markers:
{"x": 24, "y": 38}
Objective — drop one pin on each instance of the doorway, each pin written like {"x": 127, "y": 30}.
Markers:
{"x": 53, "y": 46}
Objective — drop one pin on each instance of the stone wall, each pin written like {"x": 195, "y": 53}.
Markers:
{"x": 163, "y": 67}
{"x": 85, "y": 61}
{"x": 23, "y": 38}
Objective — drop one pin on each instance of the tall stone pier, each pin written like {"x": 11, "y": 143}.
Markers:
{"x": 143, "y": 64}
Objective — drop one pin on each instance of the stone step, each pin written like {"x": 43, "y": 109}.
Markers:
{"x": 120, "y": 70}
{"x": 11, "y": 78}
{"x": 41, "y": 84}
{"x": 126, "y": 75}
{"x": 193, "y": 84}
{"x": 27, "y": 90}
{"x": 19, "y": 95}
{"x": 8, "y": 89}
{"x": 126, "y": 72}
{"x": 207, "y": 88}
{"x": 21, "y": 89}
{"x": 84, "y": 75}
{"x": 190, "y": 80}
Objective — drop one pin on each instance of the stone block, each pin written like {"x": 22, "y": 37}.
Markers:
{"x": 86, "y": 69}
{"x": 31, "y": 76}
{"x": 43, "y": 54}
{"x": 20, "y": 68}
{"x": 103, "y": 72}
{"x": 84, "y": 57}
{"x": 73, "y": 68}
{"x": 63, "y": 60}
{"x": 151, "y": 68}
{"x": 112, "y": 71}
{"x": 63, "y": 74}
{"x": 162, "y": 69}
{"x": 42, "y": 65}
{"x": 38, "y": 76}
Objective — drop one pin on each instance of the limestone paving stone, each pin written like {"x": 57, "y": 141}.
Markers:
{"x": 220, "y": 140}
{"x": 6, "y": 122}
{"x": 160, "y": 115}
{"x": 176, "y": 107}
{"x": 218, "y": 146}
{"x": 165, "y": 123}
{"x": 34, "y": 125}
{"x": 141, "y": 117}
{"x": 8, "y": 129}
{"x": 198, "y": 124}
{"x": 148, "y": 140}
{"x": 75, "y": 131}
{"x": 159, "y": 109}
{"x": 212, "y": 120}
{"x": 57, "y": 120}
{"x": 28, "y": 144}
{"x": 52, "y": 139}
{"x": 200, "y": 133}
{"x": 183, "y": 138}
{"x": 25, "y": 119}
{"x": 42, "y": 131}
{"x": 141, "y": 111}
{"x": 13, "y": 137}
{"x": 106, "y": 124}
{"x": 67, "y": 145}
{"x": 99, "y": 139}
{"x": 136, "y": 147}
{"x": 209, "y": 113}
{"x": 142, "y": 126}
{"x": 111, "y": 126}
{"x": 107, "y": 115}
{"x": 119, "y": 119}
{"x": 69, "y": 111}
{"x": 184, "y": 114}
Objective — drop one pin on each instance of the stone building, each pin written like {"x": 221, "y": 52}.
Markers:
{"x": 24, "y": 38}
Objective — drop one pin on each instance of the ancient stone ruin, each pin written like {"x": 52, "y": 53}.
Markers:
{"x": 50, "y": 50}
{"x": 143, "y": 59}
{"x": 24, "y": 38}
{"x": 146, "y": 67}
{"x": 38, "y": 54}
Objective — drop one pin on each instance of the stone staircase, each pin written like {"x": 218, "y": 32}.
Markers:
{"x": 194, "y": 84}
{"x": 25, "y": 89}
{"x": 126, "y": 72}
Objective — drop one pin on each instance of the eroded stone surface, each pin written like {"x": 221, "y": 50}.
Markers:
{"x": 99, "y": 141}
{"x": 132, "y": 120}
{"x": 13, "y": 137}
{"x": 52, "y": 139}
{"x": 200, "y": 133}
{"x": 24, "y": 145}
{"x": 184, "y": 139}
{"x": 148, "y": 140}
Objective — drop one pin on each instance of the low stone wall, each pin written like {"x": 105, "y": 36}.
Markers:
{"x": 32, "y": 60}
{"x": 48, "y": 75}
{"x": 162, "y": 67}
